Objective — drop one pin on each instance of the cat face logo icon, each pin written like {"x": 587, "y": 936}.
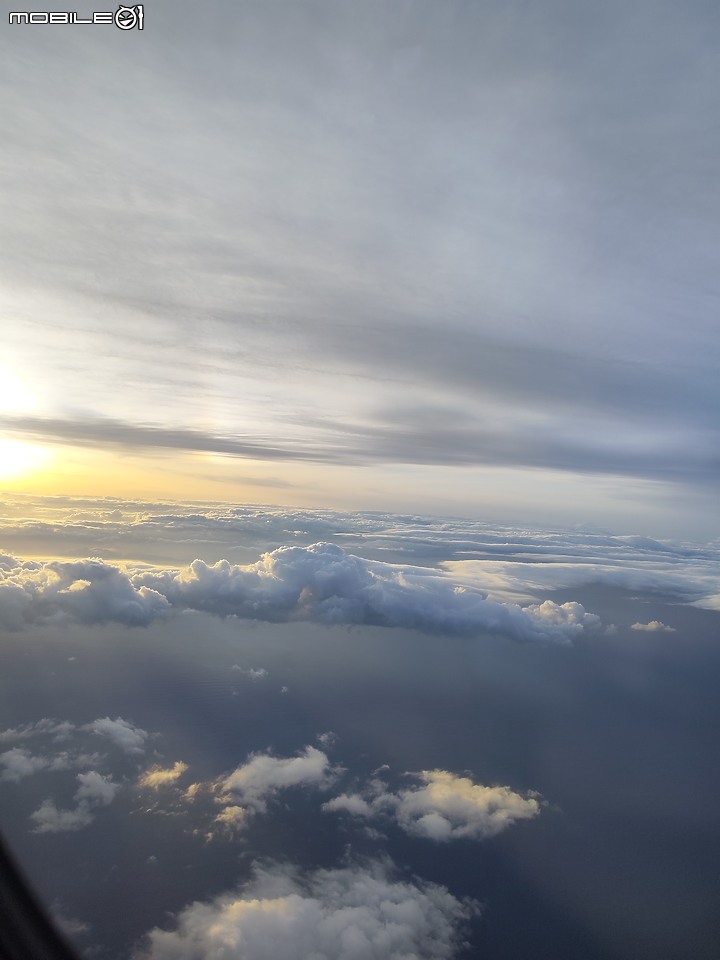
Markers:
{"x": 128, "y": 17}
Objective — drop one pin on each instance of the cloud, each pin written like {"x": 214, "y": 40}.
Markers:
{"x": 20, "y": 763}
{"x": 448, "y": 807}
{"x": 59, "y": 730}
{"x": 318, "y": 582}
{"x": 85, "y": 591}
{"x": 256, "y": 782}
{"x": 95, "y": 789}
{"x": 351, "y": 803}
{"x": 654, "y": 626}
{"x": 158, "y": 777}
{"x": 123, "y": 734}
{"x": 322, "y": 582}
{"x": 353, "y": 913}
{"x": 233, "y": 817}
{"x": 444, "y": 807}
{"x": 49, "y": 819}
{"x": 253, "y": 673}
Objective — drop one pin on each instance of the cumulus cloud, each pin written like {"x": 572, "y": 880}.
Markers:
{"x": 353, "y": 913}
{"x": 123, "y": 734}
{"x": 447, "y": 807}
{"x": 654, "y": 626}
{"x": 158, "y": 777}
{"x": 317, "y": 582}
{"x": 49, "y": 819}
{"x": 20, "y": 763}
{"x": 351, "y": 803}
{"x": 322, "y": 582}
{"x": 254, "y": 783}
{"x": 84, "y": 591}
{"x": 58, "y": 730}
{"x": 95, "y": 790}
{"x": 443, "y": 807}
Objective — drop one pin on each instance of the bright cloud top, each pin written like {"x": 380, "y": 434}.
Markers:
{"x": 352, "y": 913}
{"x": 256, "y": 782}
{"x": 157, "y": 777}
{"x": 319, "y": 582}
{"x": 444, "y": 807}
{"x": 654, "y": 626}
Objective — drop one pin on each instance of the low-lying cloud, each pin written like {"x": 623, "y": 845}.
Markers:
{"x": 654, "y": 626}
{"x": 442, "y": 806}
{"x": 319, "y": 582}
{"x": 95, "y": 790}
{"x": 354, "y": 913}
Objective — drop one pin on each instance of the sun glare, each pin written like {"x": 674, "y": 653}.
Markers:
{"x": 18, "y": 459}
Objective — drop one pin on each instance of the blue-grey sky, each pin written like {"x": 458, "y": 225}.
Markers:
{"x": 447, "y": 257}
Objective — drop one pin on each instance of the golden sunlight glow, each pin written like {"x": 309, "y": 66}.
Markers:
{"x": 14, "y": 395}
{"x": 18, "y": 459}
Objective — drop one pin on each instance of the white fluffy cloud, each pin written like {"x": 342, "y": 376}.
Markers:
{"x": 316, "y": 582}
{"x": 49, "y": 819}
{"x": 86, "y": 591}
{"x": 123, "y": 734}
{"x": 447, "y": 807}
{"x": 254, "y": 783}
{"x": 655, "y": 626}
{"x": 353, "y": 913}
{"x": 20, "y": 763}
{"x": 443, "y": 807}
{"x": 94, "y": 791}
{"x": 322, "y": 582}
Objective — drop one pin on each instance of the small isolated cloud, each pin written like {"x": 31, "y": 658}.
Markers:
{"x": 233, "y": 817}
{"x": 123, "y": 734}
{"x": 328, "y": 739}
{"x": 353, "y": 913}
{"x": 57, "y": 729}
{"x": 654, "y": 626}
{"x": 350, "y": 803}
{"x": 49, "y": 819}
{"x": 158, "y": 777}
{"x": 20, "y": 763}
{"x": 444, "y": 807}
{"x": 254, "y": 674}
{"x": 70, "y": 926}
{"x": 263, "y": 776}
{"x": 95, "y": 789}
{"x": 449, "y": 807}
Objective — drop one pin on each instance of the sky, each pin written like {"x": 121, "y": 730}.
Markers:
{"x": 359, "y": 542}
{"x": 450, "y": 258}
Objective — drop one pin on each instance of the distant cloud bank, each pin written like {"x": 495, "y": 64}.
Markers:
{"x": 319, "y": 582}
{"x": 444, "y": 575}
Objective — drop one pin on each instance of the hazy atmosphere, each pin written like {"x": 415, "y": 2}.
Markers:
{"x": 359, "y": 432}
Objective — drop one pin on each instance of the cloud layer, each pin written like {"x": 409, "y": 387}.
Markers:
{"x": 318, "y": 582}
